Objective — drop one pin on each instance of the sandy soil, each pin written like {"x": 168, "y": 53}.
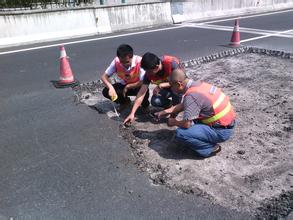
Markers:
{"x": 253, "y": 172}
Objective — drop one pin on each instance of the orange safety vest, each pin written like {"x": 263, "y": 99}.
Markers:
{"x": 167, "y": 68}
{"x": 223, "y": 110}
{"x": 131, "y": 76}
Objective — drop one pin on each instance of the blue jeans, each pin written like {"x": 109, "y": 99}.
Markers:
{"x": 162, "y": 99}
{"x": 202, "y": 138}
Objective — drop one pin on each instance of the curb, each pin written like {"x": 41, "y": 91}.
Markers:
{"x": 234, "y": 52}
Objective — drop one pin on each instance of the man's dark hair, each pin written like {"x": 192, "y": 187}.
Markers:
{"x": 149, "y": 61}
{"x": 124, "y": 50}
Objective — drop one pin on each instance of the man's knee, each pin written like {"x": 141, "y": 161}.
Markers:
{"x": 156, "y": 101}
{"x": 159, "y": 101}
{"x": 105, "y": 92}
{"x": 180, "y": 134}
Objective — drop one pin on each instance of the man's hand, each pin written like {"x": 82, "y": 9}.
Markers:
{"x": 129, "y": 119}
{"x": 112, "y": 93}
{"x": 171, "y": 122}
{"x": 156, "y": 90}
{"x": 160, "y": 114}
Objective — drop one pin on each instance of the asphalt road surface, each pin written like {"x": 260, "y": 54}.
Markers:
{"x": 59, "y": 160}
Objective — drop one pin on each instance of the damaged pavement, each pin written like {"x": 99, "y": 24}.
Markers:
{"x": 253, "y": 172}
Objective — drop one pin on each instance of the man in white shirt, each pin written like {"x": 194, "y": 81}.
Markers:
{"x": 127, "y": 68}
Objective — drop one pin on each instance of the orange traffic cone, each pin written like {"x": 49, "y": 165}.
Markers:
{"x": 235, "y": 39}
{"x": 66, "y": 76}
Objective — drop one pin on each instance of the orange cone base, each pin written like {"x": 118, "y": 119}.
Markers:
{"x": 59, "y": 84}
{"x": 235, "y": 45}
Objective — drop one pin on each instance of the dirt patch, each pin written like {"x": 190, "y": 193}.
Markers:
{"x": 253, "y": 172}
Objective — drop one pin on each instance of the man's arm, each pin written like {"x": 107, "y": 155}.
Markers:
{"x": 180, "y": 124}
{"x": 134, "y": 85}
{"x": 106, "y": 81}
{"x": 173, "y": 121}
{"x": 111, "y": 69}
{"x": 172, "y": 110}
{"x": 164, "y": 85}
{"x": 138, "y": 100}
{"x": 191, "y": 112}
{"x": 131, "y": 86}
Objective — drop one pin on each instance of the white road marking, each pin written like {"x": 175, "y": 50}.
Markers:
{"x": 277, "y": 34}
{"x": 242, "y": 29}
{"x": 205, "y": 25}
{"x": 266, "y": 33}
{"x": 88, "y": 40}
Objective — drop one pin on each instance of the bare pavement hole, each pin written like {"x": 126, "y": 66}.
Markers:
{"x": 253, "y": 172}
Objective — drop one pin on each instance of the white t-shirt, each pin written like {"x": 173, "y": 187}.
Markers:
{"x": 112, "y": 69}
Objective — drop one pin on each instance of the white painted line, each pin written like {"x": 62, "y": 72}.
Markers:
{"x": 278, "y": 34}
{"x": 227, "y": 28}
{"x": 267, "y": 33}
{"x": 88, "y": 40}
{"x": 249, "y": 16}
{"x": 198, "y": 25}
{"x": 254, "y": 38}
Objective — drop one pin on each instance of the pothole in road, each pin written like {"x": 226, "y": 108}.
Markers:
{"x": 253, "y": 172}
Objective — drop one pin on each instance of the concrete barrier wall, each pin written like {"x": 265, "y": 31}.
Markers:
{"x": 206, "y": 9}
{"x": 28, "y": 27}
{"x": 37, "y": 27}
{"x": 140, "y": 15}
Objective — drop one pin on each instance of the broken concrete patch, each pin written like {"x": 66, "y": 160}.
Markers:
{"x": 253, "y": 172}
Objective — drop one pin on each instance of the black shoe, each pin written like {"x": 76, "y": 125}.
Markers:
{"x": 216, "y": 150}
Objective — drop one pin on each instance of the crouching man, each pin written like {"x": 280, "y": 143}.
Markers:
{"x": 208, "y": 117}
{"x": 157, "y": 72}
{"x": 127, "y": 68}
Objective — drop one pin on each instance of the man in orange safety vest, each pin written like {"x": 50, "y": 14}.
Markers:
{"x": 208, "y": 116}
{"x": 158, "y": 71}
{"x": 127, "y": 68}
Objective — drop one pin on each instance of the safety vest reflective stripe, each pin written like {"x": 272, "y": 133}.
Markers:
{"x": 219, "y": 100}
{"x": 223, "y": 110}
{"x": 218, "y": 116}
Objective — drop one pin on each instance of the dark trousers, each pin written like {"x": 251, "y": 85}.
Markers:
{"x": 162, "y": 99}
{"x": 130, "y": 92}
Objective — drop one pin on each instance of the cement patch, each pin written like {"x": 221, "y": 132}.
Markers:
{"x": 253, "y": 172}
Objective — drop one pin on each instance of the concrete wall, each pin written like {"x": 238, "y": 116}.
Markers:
{"x": 24, "y": 27}
{"x": 205, "y": 9}
{"x": 141, "y": 15}
{"x": 121, "y": 17}
{"x": 27, "y": 27}
{"x": 35, "y": 27}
